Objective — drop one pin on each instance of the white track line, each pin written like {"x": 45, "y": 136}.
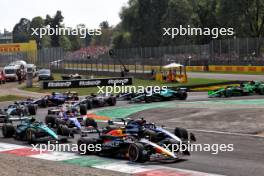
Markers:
{"x": 221, "y": 132}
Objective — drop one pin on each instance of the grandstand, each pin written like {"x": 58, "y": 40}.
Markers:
{"x": 87, "y": 52}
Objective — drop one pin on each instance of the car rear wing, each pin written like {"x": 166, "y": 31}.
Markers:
{"x": 12, "y": 119}
{"x": 118, "y": 121}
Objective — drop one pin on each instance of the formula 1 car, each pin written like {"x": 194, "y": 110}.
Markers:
{"x": 71, "y": 76}
{"x": 3, "y": 116}
{"x": 22, "y": 108}
{"x": 100, "y": 100}
{"x": 66, "y": 119}
{"x": 69, "y": 110}
{"x": 59, "y": 116}
{"x": 56, "y": 99}
{"x": 163, "y": 95}
{"x": 138, "y": 141}
{"x": 31, "y": 131}
{"x": 248, "y": 88}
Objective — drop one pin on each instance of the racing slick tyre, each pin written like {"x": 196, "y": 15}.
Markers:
{"x": 83, "y": 145}
{"x": 59, "y": 122}
{"x": 63, "y": 130}
{"x": 112, "y": 101}
{"x": 89, "y": 104}
{"x": 83, "y": 109}
{"x": 183, "y": 95}
{"x": 43, "y": 103}
{"x": 261, "y": 91}
{"x": 181, "y": 133}
{"x": 70, "y": 124}
{"x": 135, "y": 153}
{"x": 31, "y": 135}
{"x": 227, "y": 93}
{"x": 90, "y": 122}
{"x": 51, "y": 119}
{"x": 148, "y": 99}
{"x": 8, "y": 130}
{"x": 32, "y": 110}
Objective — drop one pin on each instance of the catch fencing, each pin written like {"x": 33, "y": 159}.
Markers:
{"x": 236, "y": 51}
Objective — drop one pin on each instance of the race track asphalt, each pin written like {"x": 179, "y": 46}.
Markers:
{"x": 246, "y": 159}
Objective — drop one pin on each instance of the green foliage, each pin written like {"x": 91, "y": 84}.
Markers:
{"x": 142, "y": 23}
{"x": 104, "y": 25}
{"x": 65, "y": 43}
{"x": 76, "y": 42}
{"x": 21, "y": 31}
{"x": 144, "y": 19}
{"x": 55, "y": 22}
{"x": 175, "y": 16}
{"x": 38, "y": 22}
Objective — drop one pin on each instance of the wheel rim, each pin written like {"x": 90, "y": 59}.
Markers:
{"x": 4, "y": 131}
{"x": 133, "y": 153}
{"x": 29, "y": 135}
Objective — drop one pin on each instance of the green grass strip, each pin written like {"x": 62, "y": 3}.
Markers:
{"x": 11, "y": 98}
{"x": 88, "y": 161}
{"x": 123, "y": 112}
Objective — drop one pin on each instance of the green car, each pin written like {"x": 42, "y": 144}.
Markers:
{"x": 31, "y": 131}
{"x": 248, "y": 88}
{"x": 163, "y": 95}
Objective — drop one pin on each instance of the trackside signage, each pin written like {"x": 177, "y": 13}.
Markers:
{"x": 86, "y": 83}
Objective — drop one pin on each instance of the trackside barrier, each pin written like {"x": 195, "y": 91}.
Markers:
{"x": 225, "y": 68}
{"x": 149, "y": 68}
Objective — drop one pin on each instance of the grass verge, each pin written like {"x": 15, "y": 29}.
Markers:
{"x": 136, "y": 82}
{"x": 11, "y": 98}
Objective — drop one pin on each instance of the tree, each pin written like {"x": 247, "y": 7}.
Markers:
{"x": 76, "y": 42}
{"x": 21, "y": 31}
{"x": 205, "y": 13}
{"x": 122, "y": 40}
{"x": 37, "y": 23}
{"x": 65, "y": 43}
{"x": 246, "y": 16}
{"x": 54, "y": 23}
{"x": 104, "y": 25}
{"x": 105, "y": 38}
{"x": 178, "y": 13}
{"x": 142, "y": 19}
